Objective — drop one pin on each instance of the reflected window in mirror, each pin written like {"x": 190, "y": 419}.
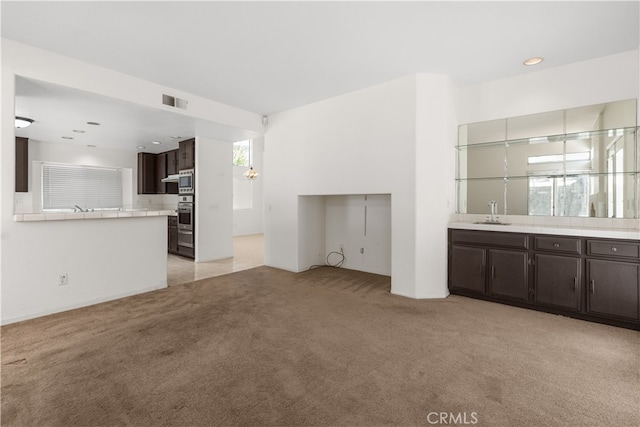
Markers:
{"x": 577, "y": 162}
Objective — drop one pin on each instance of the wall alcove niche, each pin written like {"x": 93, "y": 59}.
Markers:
{"x": 580, "y": 162}
{"x": 358, "y": 224}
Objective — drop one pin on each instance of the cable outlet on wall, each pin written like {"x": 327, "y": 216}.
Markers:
{"x": 361, "y": 250}
{"x": 63, "y": 279}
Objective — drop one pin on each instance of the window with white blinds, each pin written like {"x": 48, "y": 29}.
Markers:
{"x": 90, "y": 187}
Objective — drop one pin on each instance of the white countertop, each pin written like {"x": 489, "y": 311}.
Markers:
{"x": 562, "y": 230}
{"x": 64, "y": 216}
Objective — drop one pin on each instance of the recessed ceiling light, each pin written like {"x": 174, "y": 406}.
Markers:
{"x": 91, "y": 145}
{"x": 67, "y": 137}
{"x": 141, "y": 147}
{"x": 93, "y": 123}
{"x": 156, "y": 142}
{"x": 176, "y": 137}
{"x": 79, "y": 131}
{"x": 533, "y": 61}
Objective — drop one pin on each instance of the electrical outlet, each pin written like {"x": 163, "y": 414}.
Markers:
{"x": 361, "y": 250}
{"x": 63, "y": 279}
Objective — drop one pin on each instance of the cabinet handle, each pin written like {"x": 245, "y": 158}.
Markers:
{"x": 493, "y": 271}
{"x": 575, "y": 284}
{"x": 556, "y": 245}
{"x": 593, "y": 287}
{"x": 614, "y": 249}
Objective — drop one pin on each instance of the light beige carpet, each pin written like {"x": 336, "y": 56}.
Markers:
{"x": 325, "y": 347}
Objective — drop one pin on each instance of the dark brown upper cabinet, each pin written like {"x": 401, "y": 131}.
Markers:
{"x": 161, "y": 172}
{"x": 146, "y": 173}
{"x": 22, "y": 165}
{"x": 172, "y": 162}
{"x": 187, "y": 154}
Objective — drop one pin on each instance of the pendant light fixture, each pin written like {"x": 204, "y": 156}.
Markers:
{"x": 23, "y": 122}
{"x": 251, "y": 173}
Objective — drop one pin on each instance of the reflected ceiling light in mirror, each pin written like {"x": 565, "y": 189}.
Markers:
{"x": 156, "y": 142}
{"x": 141, "y": 147}
{"x": 538, "y": 140}
{"x": 251, "y": 173}
{"x": 533, "y": 61}
{"x": 23, "y": 122}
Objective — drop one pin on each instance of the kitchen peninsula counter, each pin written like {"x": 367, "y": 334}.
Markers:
{"x": 64, "y": 216}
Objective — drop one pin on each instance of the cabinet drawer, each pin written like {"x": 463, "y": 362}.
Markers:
{"x": 491, "y": 238}
{"x": 558, "y": 244}
{"x": 613, "y": 249}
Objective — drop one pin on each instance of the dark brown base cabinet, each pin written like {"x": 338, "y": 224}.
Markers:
{"x": 557, "y": 281}
{"x": 173, "y": 235}
{"x": 508, "y": 274}
{"x": 589, "y": 279}
{"x": 613, "y": 289}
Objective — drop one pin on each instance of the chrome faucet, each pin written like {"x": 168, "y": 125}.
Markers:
{"x": 77, "y": 208}
{"x": 494, "y": 211}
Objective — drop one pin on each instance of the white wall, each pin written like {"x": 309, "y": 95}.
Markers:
{"x": 606, "y": 79}
{"x": 125, "y": 257}
{"x": 365, "y": 142}
{"x": 311, "y": 231}
{"x": 250, "y": 221}
{"x": 104, "y": 259}
{"x": 601, "y": 80}
{"x": 358, "y": 222}
{"x": 47, "y": 66}
{"x": 436, "y": 137}
{"x": 213, "y": 200}
{"x": 358, "y": 143}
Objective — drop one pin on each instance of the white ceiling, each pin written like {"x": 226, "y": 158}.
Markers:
{"x": 267, "y": 57}
{"x": 59, "y": 110}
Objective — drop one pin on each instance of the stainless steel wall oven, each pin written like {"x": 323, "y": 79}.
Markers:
{"x": 186, "y": 225}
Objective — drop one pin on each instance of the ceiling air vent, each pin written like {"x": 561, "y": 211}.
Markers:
{"x": 173, "y": 101}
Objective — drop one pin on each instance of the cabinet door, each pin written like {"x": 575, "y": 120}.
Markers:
{"x": 508, "y": 274}
{"x": 468, "y": 268}
{"x": 146, "y": 173}
{"x": 22, "y": 165}
{"x": 558, "y": 281}
{"x": 172, "y": 162}
{"x": 161, "y": 172}
{"x": 613, "y": 288}
{"x": 173, "y": 236}
{"x": 186, "y": 154}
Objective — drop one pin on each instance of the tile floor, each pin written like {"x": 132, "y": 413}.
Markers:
{"x": 248, "y": 252}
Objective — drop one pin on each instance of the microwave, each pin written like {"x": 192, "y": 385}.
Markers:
{"x": 186, "y": 182}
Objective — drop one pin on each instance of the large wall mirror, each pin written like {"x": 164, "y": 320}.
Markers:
{"x": 580, "y": 162}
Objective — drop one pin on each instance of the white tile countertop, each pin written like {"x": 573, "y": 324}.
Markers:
{"x": 561, "y": 230}
{"x": 64, "y": 216}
